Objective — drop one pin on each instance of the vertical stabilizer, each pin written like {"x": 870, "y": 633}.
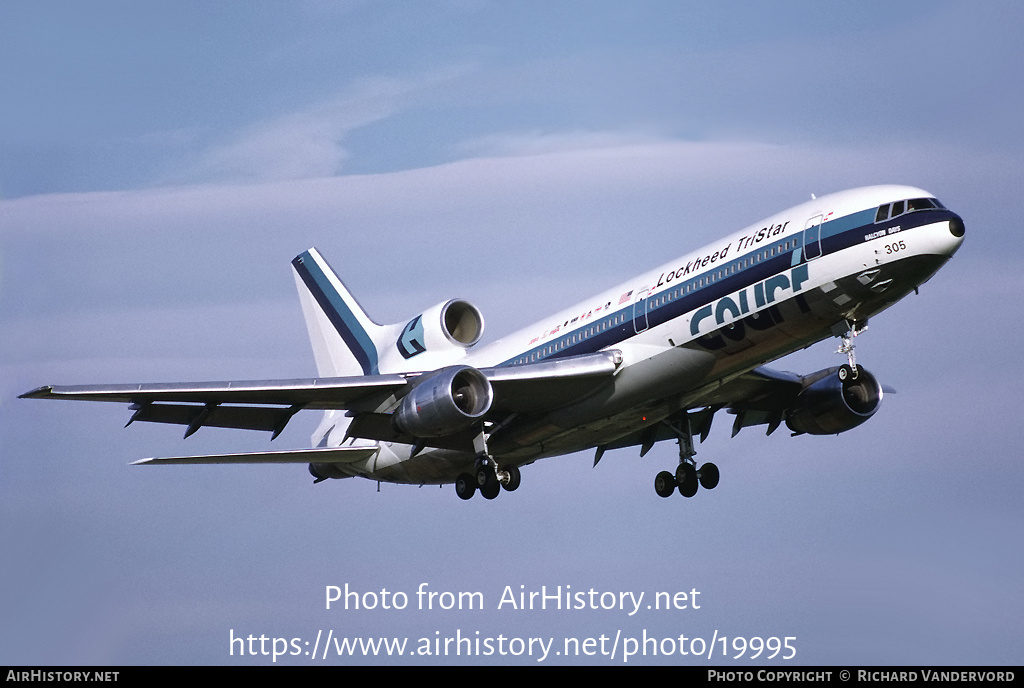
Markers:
{"x": 345, "y": 340}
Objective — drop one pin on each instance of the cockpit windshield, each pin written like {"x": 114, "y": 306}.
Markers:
{"x": 891, "y": 210}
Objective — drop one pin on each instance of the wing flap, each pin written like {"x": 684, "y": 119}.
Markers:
{"x": 269, "y": 418}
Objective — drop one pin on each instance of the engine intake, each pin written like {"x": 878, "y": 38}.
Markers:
{"x": 444, "y": 403}
{"x": 462, "y": 322}
{"x": 831, "y": 404}
{"x": 444, "y": 330}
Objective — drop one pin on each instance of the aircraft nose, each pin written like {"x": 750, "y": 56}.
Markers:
{"x": 956, "y": 226}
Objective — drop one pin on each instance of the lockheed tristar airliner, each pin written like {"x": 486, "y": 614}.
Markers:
{"x": 652, "y": 359}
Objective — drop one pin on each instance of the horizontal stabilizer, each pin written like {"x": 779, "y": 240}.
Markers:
{"x": 322, "y": 455}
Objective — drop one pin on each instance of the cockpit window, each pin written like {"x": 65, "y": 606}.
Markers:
{"x": 900, "y": 207}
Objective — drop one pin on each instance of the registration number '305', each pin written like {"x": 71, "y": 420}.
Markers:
{"x": 895, "y": 247}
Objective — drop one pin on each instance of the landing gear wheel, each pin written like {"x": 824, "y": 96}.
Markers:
{"x": 465, "y": 486}
{"x": 484, "y": 474}
{"x": 708, "y": 476}
{"x": 686, "y": 478}
{"x": 487, "y": 481}
{"x": 847, "y": 372}
{"x": 514, "y": 478}
{"x": 664, "y": 484}
{"x": 491, "y": 489}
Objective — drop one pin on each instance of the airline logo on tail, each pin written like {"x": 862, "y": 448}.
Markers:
{"x": 411, "y": 342}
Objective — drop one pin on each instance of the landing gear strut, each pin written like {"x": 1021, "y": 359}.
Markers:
{"x": 847, "y": 347}
{"x": 687, "y": 476}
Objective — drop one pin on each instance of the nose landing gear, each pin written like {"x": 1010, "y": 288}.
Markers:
{"x": 847, "y": 331}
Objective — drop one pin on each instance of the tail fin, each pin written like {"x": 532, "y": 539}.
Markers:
{"x": 345, "y": 340}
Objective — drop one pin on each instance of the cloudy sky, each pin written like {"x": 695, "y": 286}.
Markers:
{"x": 162, "y": 162}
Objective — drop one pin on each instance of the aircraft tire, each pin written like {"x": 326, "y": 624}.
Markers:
{"x": 708, "y": 476}
{"x": 491, "y": 489}
{"x": 664, "y": 484}
{"x": 686, "y": 478}
{"x": 484, "y": 474}
{"x": 846, "y": 372}
{"x": 465, "y": 486}
{"x": 487, "y": 481}
{"x": 514, "y": 479}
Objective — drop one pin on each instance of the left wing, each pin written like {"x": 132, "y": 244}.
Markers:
{"x": 252, "y": 405}
{"x": 269, "y": 404}
{"x": 320, "y": 455}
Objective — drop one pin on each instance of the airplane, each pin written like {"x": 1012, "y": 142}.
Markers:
{"x": 652, "y": 359}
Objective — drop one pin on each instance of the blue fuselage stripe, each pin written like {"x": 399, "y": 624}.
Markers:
{"x": 618, "y": 326}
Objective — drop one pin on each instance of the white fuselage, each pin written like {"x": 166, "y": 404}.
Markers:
{"x": 696, "y": 321}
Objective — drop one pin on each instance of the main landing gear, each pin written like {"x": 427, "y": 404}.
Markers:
{"x": 488, "y": 478}
{"x": 687, "y": 476}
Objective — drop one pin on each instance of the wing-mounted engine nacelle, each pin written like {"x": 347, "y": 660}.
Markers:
{"x": 323, "y": 471}
{"x": 836, "y": 401}
{"x": 437, "y": 337}
{"x": 444, "y": 403}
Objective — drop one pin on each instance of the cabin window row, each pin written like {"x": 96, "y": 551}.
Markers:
{"x": 660, "y": 300}
{"x": 732, "y": 269}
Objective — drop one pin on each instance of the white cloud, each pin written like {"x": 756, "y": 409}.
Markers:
{"x": 539, "y": 142}
{"x": 309, "y": 142}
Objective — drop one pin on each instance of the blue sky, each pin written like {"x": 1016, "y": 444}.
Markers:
{"x": 161, "y": 163}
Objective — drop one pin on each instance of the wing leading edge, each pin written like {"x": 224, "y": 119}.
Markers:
{"x": 320, "y": 455}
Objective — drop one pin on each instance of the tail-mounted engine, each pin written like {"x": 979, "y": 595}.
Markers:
{"x": 837, "y": 401}
{"x": 437, "y": 337}
{"x": 453, "y": 323}
{"x": 444, "y": 403}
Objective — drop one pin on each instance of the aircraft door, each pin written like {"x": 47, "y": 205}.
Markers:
{"x": 640, "y": 310}
{"x": 812, "y": 238}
